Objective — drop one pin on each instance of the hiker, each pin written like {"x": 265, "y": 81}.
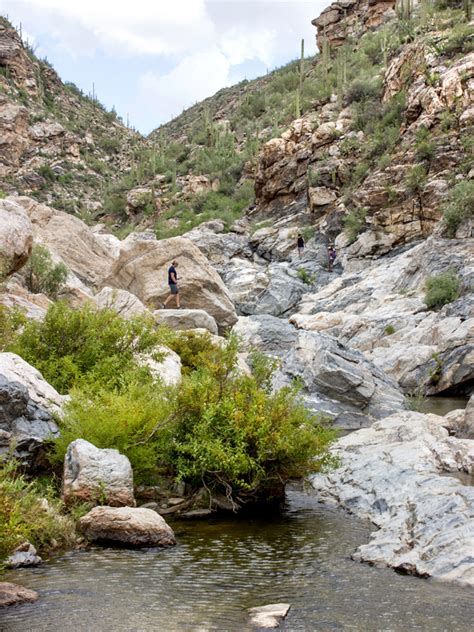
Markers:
{"x": 173, "y": 284}
{"x": 331, "y": 257}
{"x": 300, "y": 244}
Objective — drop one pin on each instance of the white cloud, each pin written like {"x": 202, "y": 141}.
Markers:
{"x": 194, "y": 78}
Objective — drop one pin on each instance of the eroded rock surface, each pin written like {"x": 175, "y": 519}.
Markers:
{"x": 16, "y": 237}
{"x": 394, "y": 474}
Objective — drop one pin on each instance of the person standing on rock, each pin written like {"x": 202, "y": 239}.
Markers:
{"x": 331, "y": 257}
{"x": 173, "y": 284}
{"x": 300, "y": 244}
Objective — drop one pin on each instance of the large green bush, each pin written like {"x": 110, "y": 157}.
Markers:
{"x": 24, "y": 515}
{"x": 459, "y": 206}
{"x": 42, "y": 275}
{"x": 72, "y": 347}
{"x": 441, "y": 289}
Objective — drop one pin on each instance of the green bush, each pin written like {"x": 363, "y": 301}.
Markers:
{"x": 441, "y": 289}
{"x": 363, "y": 90}
{"x": 72, "y": 347}
{"x": 306, "y": 277}
{"x": 42, "y": 275}
{"x": 354, "y": 223}
{"x": 25, "y": 516}
{"x": 11, "y": 321}
{"x": 459, "y": 206}
{"x": 47, "y": 173}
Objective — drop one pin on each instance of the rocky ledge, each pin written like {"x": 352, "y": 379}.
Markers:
{"x": 396, "y": 474}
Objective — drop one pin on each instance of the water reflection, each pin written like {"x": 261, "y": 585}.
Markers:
{"x": 221, "y": 568}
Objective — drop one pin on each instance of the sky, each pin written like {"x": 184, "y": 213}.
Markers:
{"x": 152, "y": 59}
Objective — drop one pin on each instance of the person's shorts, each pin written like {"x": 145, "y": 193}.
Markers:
{"x": 174, "y": 288}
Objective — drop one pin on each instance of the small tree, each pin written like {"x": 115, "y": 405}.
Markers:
{"x": 43, "y": 275}
{"x": 459, "y": 207}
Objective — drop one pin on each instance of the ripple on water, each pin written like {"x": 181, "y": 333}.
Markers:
{"x": 221, "y": 568}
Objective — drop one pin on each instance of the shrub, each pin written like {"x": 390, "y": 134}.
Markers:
{"x": 354, "y": 223}
{"x": 47, "y": 173}
{"x": 306, "y": 277}
{"x": 459, "y": 207}
{"x": 72, "y": 347}
{"x": 441, "y": 289}
{"x": 389, "y": 330}
{"x": 42, "y": 275}
{"x": 363, "y": 90}
{"x": 25, "y": 516}
{"x": 11, "y": 320}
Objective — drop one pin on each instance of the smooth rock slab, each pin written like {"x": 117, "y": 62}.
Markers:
{"x": 13, "y": 594}
{"x": 269, "y": 616}
{"x": 93, "y": 474}
{"x": 186, "y": 319}
{"x": 127, "y": 525}
{"x": 391, "y": 474}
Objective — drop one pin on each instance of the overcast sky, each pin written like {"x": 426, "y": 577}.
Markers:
{"x": 153, "y": 58}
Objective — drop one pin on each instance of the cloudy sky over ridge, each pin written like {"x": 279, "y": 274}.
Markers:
{"x": 150, "y": 59}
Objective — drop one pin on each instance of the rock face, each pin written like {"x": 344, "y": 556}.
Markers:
{"x": 71, "y": 240}
{"x": 142, "y": 268}
{"x": 127, "y": 525}
{"x": 350, "y": 18}
{"x": 186, "y": 319}
{"x": 335, "y": 379}
{"x": 16, "y": 237}
{"x": 13, "y": 594}
{"x": 92, "y": 475}
{"x": 391, "y": 474}
{"x": 27, "y": 405}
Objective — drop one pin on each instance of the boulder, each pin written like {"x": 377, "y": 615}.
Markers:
{"x": 97, "y": 475}
{"x": 186, "y": 319}
{"x": 142, "y": 268}
{"x": 168, "y": 370}
{"x": 266, "y": 333}
{"x": 13, "y": 594}
{"x": 16, "y": 237}
{"x": 23, "y": 556}
{"x": 338, "y": 381}
{"x": 127, "y": 525}
{"x": 27, "y": 408}
{"x": 71, "y": 240}
{"x": 395, "y": 475}
{"x": 121, "y": 301}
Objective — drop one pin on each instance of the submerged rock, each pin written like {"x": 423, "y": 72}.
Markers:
{"x": 92, "y": 474}
{"x": 13, "y": 594}
{"x": 269, "y": 616}
{"x": 394, "y": 474}
{"x": 127, "y": 525}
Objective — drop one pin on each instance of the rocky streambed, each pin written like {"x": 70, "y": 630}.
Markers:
{"x": 221, "y": 568}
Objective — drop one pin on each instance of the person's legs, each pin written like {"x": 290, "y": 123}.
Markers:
{"x": 168, "y": 299}
{"x": 177, "y": 299}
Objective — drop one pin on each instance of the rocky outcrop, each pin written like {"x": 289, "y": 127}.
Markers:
{"x": 71, "y": 240}
{"x": 27, "y": 408}
{"x": 16, "y": 237}
{"x": 13, "y": 594}
{"x": 380, "y": 310}
{"x": 394, "y": 474}
{"x": 335, "y": 380}
{"x": 128, "y": 526}
{"x": 350, "y": 19}
{"x": 97, "y": 475}
{"x": 186, "y": 319}
{"x": 142, "y": 266}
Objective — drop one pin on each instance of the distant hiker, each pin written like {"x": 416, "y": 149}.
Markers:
{"x": 173, "y": 284}
{"x": 300, "y": 244}
{"x": 331, "y": 257}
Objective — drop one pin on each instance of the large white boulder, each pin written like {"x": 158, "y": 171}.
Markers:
{"x": 186, "y": 319}
{"x": 127, "y": 525}
{"x": 123, "y": 302}
{"x": 142, "y": 269}
{"x": 92, "y": 474}
{"x": 394, "y": 474}
{"x": 168, "y": 370}
{"x": 27, "y": 408}
{"x": 16, "y": 237}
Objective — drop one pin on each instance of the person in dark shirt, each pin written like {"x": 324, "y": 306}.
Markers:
{"x": 331, "y": 257}
{"x": 300, "y": 244}
{"x": 173, "y": 284}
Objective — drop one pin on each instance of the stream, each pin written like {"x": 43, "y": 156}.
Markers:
{"x": 222, "y": 567}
